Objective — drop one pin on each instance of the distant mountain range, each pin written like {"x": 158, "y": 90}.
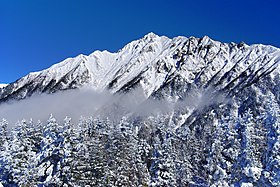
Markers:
{"x": 226, "y": 96}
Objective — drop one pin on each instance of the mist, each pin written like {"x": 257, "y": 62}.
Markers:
{"x": 73, "y": 103}
{"x": 87, "y": 102}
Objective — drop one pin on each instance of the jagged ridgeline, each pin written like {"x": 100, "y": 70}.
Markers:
{"x": 205, "y": 113}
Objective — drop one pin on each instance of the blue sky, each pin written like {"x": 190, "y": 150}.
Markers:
{"x": 34, "y": 34}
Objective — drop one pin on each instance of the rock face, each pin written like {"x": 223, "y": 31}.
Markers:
{"x": 224, "y": 127}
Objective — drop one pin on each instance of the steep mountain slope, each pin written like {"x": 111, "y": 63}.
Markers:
{"x": 218, "y": 123}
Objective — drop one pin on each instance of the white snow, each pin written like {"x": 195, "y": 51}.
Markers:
{"x": 49, "y": 173}
{"x": 2, "y": 86}
{"x": 248, "y": 184}
{"x": 253, "y": 172}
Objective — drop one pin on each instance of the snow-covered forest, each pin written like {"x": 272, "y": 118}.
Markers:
{"x": 136, "y": 151}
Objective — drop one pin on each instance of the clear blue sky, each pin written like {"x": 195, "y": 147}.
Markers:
{"x": 34, "y": 34}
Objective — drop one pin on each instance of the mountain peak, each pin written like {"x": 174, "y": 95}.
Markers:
{"x": 151, "y": 35}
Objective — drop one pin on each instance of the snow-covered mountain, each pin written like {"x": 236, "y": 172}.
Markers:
{"x": 222, "y": 127}
{"x": 153, "y": 63}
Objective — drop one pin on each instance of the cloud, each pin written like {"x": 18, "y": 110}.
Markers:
{"x": 198, "y": 99}
{"x": 87, "y": 102}
{"x": 72, "y": 103}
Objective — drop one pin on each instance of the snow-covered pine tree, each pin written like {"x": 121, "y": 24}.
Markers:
{"x": 163, "y": 161}
{"x": 3, "y": 133}
{"x": 127, "y": 156}
{"x": 221, "y": 154}
{"x": 271, "y": 158}
{"x": 5, "y": 169}
{"x": 22, "y": 154}
{"x": 244, "y": 167}
{"x": 49, "y": 159}
{"x": 67, "y": 148}
{"x": 88, "y": 165}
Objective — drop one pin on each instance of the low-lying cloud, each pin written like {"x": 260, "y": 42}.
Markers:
{"x": 72, "y": 103}
{"x": 87, "y": 102}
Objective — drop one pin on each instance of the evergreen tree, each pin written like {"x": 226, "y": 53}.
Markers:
{"x": 88, "y": 168}
{"x": 67, "y": 148}
{"x": 3, "y": 133}
{"x": 22, "y": 154}
{"x": 271, "y": 159}
{"x": 51, "y": 155}
{"x": 5, "y": 156}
